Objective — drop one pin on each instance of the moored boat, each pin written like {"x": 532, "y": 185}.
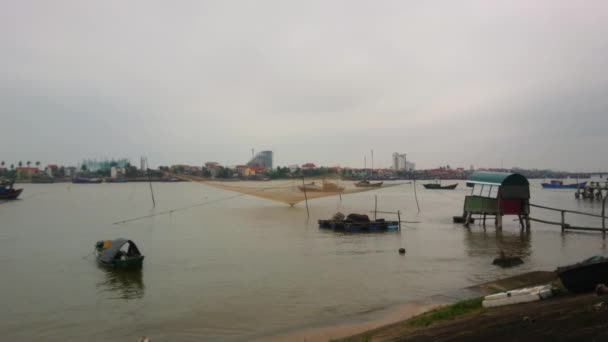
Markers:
{"x": 86, "y": 180}
{"x": 326, "y": 187}
{"x": 7, "y": 192}
{"x": 557, "y": 184}
{"x": 110, "y": 253}
{"x": 436, "y": 186}
{"x": 585, "y": 275}
{"x": 367, "y": 184}
{"x": 358, "y": 223}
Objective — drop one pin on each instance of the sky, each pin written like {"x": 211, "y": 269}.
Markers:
{"x": 460, "y": 83}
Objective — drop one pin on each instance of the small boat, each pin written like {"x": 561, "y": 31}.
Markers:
{"x": 437, "y": 186}
{"x": 367, "y": 184}
{"x": 358, "y": 223}
{"x": 110, "y": 253}
{"x": 557, "y": 184}
{"x": 585, "y": 275}
{"x": 86, "y": 180}
{"x": 326, "y": 187}
{"x": 7, "y": 192}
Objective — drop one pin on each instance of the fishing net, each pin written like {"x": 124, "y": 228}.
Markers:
{"x": 289, "y": 192}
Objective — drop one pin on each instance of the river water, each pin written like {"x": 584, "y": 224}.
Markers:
{"x": 248, "y": 268}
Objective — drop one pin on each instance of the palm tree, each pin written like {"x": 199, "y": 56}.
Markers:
{"x": 28, "y": 163}
{"x": 20, "y": 163}
{"x": 12, "y": 166}
{"x": 2, "y": 163}
{"x": 37, "y": 163}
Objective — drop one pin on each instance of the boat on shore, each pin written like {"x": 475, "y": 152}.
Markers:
{"x": 367, "y": 184}
{"x": 86, "y": 180}
{"x": 358, "y": 223}
{"x": 110, "y": 253}
{"x": 585, "y": 275}
{"x": 557, "y": 184}
{"x": 437, "y": 186}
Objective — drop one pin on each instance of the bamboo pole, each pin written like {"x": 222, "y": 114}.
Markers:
{"x": 399, "y": 218}
{"x": 375, "y": 206}
{"x": 150, "y": 183}
{"x": 604, "y": 214}
{"x": 563, "y": 221}
{"x": 305, "y": 197}
{"x": 416, "y": 196}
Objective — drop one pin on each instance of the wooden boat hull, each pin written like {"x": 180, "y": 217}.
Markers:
{"x": 584, "y": 277}
{"x": 320, "y": 189}
{"x": 11, "y": 194}
{"x": 563, "y": 186}
{"x": 369, "y": 185}
{"x": 131, "y": 263}
{"x": 433, "y": 186}
{"x": 350, "y": 226}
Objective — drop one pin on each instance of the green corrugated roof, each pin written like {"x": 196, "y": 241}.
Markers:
{"x": 497, "y": 178}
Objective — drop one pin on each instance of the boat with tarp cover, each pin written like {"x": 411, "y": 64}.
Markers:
{"x": 358, "y": 223}
{"x": 585, "y": 275}
{"x": 119, "y": 254}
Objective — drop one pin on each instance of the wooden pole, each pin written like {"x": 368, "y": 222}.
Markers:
{"x": 399, "y": 218}
{"x": 563, "y": 221}
{"x": 375, "y": 206}
{"x": 150, "y": 183}
{"x": 305, "y": 197}
{"x": 416, "y": 195}
{"x": 604, "y": 214}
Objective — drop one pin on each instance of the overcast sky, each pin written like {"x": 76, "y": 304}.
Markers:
{"x": 517, "y": 83}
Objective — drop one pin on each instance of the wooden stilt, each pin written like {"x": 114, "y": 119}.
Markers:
{"x": 498, "y": 221}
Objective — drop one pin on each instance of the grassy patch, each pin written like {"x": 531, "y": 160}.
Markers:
{"x": 446, "y": 313}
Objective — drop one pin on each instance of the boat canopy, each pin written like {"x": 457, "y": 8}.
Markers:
{"x": 110, "y": 253}
{"x": 497, "y": 178}
{"x": 512, "y": 185}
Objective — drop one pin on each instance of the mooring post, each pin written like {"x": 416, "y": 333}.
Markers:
{"x": 604, "y": 214}
{"x": 399, "y": 218}
{"x": 305, "y": 197}
{"x": 375, "y": 206}
{"x": 563, "y": 221}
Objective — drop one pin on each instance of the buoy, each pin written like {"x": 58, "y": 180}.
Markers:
{"x": 401, "y": 250}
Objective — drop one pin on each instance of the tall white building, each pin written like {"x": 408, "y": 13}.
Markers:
{"x": 399, "y": 161}
{"x": 409, "y": 166}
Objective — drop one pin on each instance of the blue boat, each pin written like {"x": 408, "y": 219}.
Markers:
{"x": 557, "y": 184}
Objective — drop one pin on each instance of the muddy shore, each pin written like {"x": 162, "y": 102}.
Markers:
{"x": 566, "y": 317}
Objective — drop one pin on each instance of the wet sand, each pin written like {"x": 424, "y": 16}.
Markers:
{"x": 323, "y": 334}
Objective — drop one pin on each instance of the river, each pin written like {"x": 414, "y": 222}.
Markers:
{"x": 248, "y": 268}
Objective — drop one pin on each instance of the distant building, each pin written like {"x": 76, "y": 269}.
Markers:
{"x": 308, "y": 166}
{"x": 262, "y": 159}
{"x": 94, "y": 165}
{"x": 399, "y": 161}
{"x": 409, "y": 166}
{"x": 245, "y": 171}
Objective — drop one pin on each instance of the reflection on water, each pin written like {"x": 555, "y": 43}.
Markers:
{"x": 490, "y": 242}
{"x": 122, "y": 284}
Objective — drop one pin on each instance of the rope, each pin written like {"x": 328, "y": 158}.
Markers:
{"x": 168, "y": 212}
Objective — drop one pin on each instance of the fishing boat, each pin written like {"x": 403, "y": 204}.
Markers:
{"x": 357, "y": 223}
{"x": 557, "y": 184}
{"x": 585, "y": 275}
{"x": 367, "y": 184}
{"x": 7, "y": 192}
{"x": 325, "y": 187}
{"x": 110, "y": 253}
{"x": 437, "y": 186}
{"x": 86, "y": 180}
